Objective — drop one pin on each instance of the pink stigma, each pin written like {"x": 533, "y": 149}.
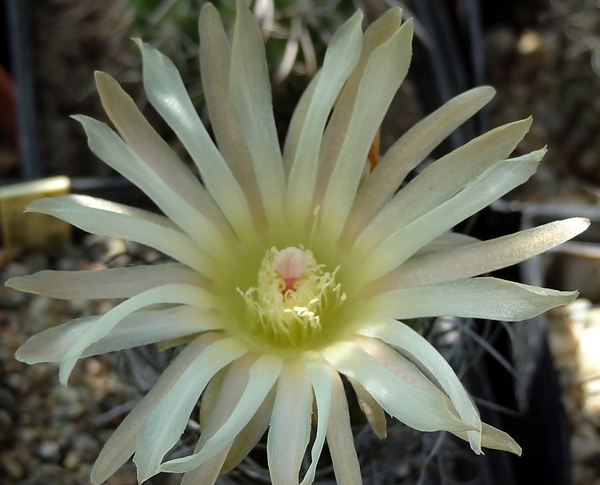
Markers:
{"x": 290, "y": 263}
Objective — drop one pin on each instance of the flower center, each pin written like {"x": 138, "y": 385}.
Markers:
{"x": 293, "y": 296}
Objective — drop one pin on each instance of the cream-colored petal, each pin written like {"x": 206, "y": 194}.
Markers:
{"x": 215, "y": 61}
{"x": 251, "y": 95}
{"x": 297, "y": 123}
{"x": 263, "y": 374}
{"x": 107, "y": 145}
{"x": 172, "y": 293}
{"x": 168, "y": 95}
{"x": 481, "y": 257}
{"x": 420, "y": 351}
{"x": 371, "y": 408}
{"x": 403, "y": 393}
{"x": 245, "y": 442}
{"x": 165, "y": 424}
{"x": 106, "y": 283}
{"x": 495, "y": 439}
{"x": 406, "y": 241}
{"x": 446, "y": 241}
{"x": 385, "y": 70}
{"x": 156, "y": 169}
{"x": 289, "y": 432}
{"x": 115, "y": 220}
{"x": 410, "y": 150}
{"x": 140, "y": 328}
{"x": 444, "y": 179}
{"x": 490, "y": 298}
{"x": 376, "y": 34}
{"x": 321, "y": 378}
{"x": 341, "y": 57}
{"x": 340, "y": 439}
{"x": 121, "y": 445}
{"x": 208, "y": 472}
{"x": 219, "y": 400}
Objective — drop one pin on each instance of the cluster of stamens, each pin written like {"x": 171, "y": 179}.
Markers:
{"x": 292, "y": 295}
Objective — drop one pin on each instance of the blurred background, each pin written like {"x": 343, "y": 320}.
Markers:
{"x": 538, "y": 380}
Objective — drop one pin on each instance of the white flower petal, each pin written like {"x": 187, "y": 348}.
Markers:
{"x": 167, "y": 421}
{"x": 341, "y": 57}
{"x": 155, "y": 167}
{"x": 404, "y": 242}
{"x": 371, "y": 409}
{"x": 491, "y": 298}
{"x": 446, "y": 241}
{"x": 289, "y": 432}
{"x": 219, "y": 400}
{"x": 215, "y": 61}
{"x": 385, "y": 70}
{"x": 420, "y": 351}
{"x": 481, "y": 257}
{"x": 406, "y": 398}
{"x": 251, "y": 94}
{"x": 376, "y": 34}
{"x": 172, "y": 293}
{"x": 410, "y": 150}
{"x": 297, "y": 123}
{"x": 245, "y": 442}
{"x": 121, "y": 445}
{"x": 263, "y": 374}
{"x": 115, "y": 220}
{"x": 495, "y": 439}
{"x": 444, "y": 179}
{"x": 168, "y": 95}
{"x": 208, "y": 472}
{"x": 140, "y": 328}
{"x": 321, "y": 378}
{"x": 340, "y": 439}
{"x": 107, "y": 145}
{"x": 106, "y": 283}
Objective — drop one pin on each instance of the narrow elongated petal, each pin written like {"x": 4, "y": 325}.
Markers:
{"x": 140, "y": 328}
{"x": 474, "y": 297}
{"x": 422, "y": 408}
{"x": 321, "y": 378}
{"x": 340, "y": 439}
{"x": 167, "y": 93}
{"x": 106, "y": 283}
{"x": 297, "y": 123}
{"x": 420, "y": 351}
{"x": 289, "y": 432}
{"x": 376, "y": 34}
{"x": 208, "y": 472}
{"x": 263, "y": 375}
{"x": 495, "y": 439}
{"x": 403, "y": 243}
{"x": 341, "y": 57}
{"x": 116, "y": 220}
{"x": 481, "y": 257}
{"x": 157, "y": 169}
{"x": 447, "y": 240}
{"x": 371, "y": 408}
{"x": 408, "y": 152}
{"x": 173, "y": 293}
{"x": 443, "y": 179}
{"x": 166, "y": 423}
{"x": 121, "y": 445}
{"x": 215, "y": 62}
{"x": 377, "y": 88}
{"x": 219, "y": 400}
{"x": 245, "y": 442}
{"x": 107, "y": 145}
{"x": 251, "y": 95}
